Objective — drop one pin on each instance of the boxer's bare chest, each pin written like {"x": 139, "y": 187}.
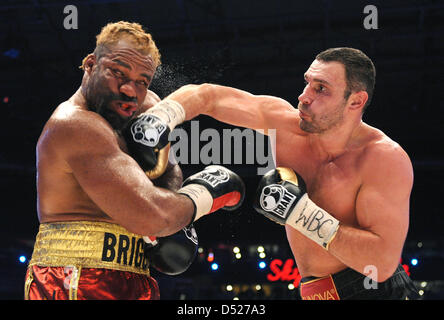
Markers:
{"x": 60, "y": 195}
{"x": 331, "y": 184}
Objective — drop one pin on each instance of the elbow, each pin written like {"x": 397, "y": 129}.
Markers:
{"x": 381, "y": 266}
{"x": 384, "y": 259}
{"x": 387, "y": 272}
{"x": 384, "y": 270}
{"x": 389, "y": 262}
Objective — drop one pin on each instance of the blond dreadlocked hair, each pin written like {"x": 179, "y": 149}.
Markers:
{"x": 130, "y": 31}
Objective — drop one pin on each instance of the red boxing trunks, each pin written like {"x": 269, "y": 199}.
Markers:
{"x": 88, "y": 260}
{"x": 319, "y": 289}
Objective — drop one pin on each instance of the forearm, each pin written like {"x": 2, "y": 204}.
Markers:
{"x": 166, "y": 212}
{"x": 361, "y": 250}
{"x": 226, "y": 104}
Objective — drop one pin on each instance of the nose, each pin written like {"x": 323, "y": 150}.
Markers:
{"x": 129, "y": 89}
{"x": 304, "y": 97}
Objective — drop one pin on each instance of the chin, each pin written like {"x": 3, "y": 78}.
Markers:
{"x": 305, "y": 126}
{"x": 115, "y": 120}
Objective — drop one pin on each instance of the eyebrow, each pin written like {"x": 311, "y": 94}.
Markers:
{"x": 146, "y": 76}
{"x": 125, "y": 65}
{"x": 318, "y": 80}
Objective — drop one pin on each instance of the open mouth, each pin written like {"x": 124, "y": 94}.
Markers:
{"x": 126, "y": 109}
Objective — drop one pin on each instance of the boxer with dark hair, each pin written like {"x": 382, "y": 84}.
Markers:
{"x": 98, "y": 207}
{"x": 342, "y": 188}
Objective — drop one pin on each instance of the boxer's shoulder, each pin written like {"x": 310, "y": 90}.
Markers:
{"x": 382, "y": 156}
{"x": 378, "y": 144}
{"x": 72, "y": 123}
{"x": 69, "y": 114}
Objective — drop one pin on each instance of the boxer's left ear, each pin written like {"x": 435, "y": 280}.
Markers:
{"x": 357, "y": 100}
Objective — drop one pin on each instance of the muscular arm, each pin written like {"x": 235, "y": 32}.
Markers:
{"x": 115, "y": 182}
{"x": 382, "y": 209}
{"x": 236, "y": 107}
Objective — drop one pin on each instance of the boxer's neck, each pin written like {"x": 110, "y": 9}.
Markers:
{"x": 335, "y": 142}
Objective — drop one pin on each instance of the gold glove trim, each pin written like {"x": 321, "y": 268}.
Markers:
{"x": 89, "y": 244}
{"x": 288, "y": 174}
{"x": 162, "y": 163}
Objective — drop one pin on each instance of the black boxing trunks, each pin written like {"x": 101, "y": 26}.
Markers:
{"x": 88, "y": 260}
{"x": 352, "y": 285}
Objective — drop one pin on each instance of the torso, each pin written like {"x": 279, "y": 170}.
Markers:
{"x": 59, "y": 195}
{"x": 332, "y": 185}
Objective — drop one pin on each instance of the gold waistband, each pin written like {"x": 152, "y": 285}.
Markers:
{"x": 89, "y": 244}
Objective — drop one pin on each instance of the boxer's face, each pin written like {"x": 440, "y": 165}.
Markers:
{"x": 322, "y": 102}
{"x": 118, "y": 84}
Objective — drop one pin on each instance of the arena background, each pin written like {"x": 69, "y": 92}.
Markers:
{"x": 260, "y": 46}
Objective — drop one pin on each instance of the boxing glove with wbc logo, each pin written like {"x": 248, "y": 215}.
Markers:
{"x": 281, "y": 196}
